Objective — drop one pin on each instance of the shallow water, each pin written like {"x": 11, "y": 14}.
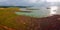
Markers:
{"x": 42, "y": 12}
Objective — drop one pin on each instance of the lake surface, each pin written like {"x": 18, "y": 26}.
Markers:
{"x": 42, "y": 12}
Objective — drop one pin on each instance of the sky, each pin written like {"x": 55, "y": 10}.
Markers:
{"x": 26, "y": 2}
{"x": 19, "y": 2}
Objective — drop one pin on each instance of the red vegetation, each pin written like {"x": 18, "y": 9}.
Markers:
{"x": 6, "y": 28}
{"x": 29, "y": 23}
{"x": 46, "y": 23}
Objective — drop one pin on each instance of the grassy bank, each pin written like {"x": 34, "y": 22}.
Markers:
{"x": 10, "y": 19}
{"x": 6, "y": 17}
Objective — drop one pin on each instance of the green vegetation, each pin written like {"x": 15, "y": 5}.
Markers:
{"x": 10, "y": 19}
{"x": 6, "y": 18}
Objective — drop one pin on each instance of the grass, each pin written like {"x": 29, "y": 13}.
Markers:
{"x": 6, "y": 17}
{"x": 10, "y": 19}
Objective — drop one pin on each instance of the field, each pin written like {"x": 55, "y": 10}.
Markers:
{"x": 10, "y": 21}
{"x": 6, "y": 17}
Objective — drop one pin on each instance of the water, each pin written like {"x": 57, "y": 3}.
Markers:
{"x": 41, "y": 12}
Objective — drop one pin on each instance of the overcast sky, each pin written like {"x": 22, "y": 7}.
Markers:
{"x": 23, "y": 2}
{"x": 20, "y": 2}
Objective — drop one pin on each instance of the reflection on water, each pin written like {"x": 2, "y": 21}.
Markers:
{"x": 53, "y": 10}
{"x": 38, "y": 11}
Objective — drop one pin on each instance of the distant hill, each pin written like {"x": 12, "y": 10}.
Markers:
{"x": 14, "y": 6}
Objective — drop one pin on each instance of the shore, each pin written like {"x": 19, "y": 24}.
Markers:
{"x": 11, "y": 21}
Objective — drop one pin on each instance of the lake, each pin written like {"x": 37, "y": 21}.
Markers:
{"x": 39, "y": 12}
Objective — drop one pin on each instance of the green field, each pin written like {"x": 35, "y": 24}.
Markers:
{"x": 7, "y": 18}
{"x": 10, "y": 19}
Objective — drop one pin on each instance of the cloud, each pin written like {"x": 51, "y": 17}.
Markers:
{"x": 23, "y": 3}
{"x": 3, "y": 0}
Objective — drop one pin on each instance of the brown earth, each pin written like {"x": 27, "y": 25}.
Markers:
{"x": 29, "y": 23}
{"x": 46, "y": 23}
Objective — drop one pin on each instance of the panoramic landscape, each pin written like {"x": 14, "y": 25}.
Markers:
{"x": 29, "y": 14}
